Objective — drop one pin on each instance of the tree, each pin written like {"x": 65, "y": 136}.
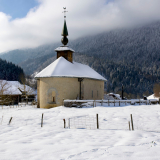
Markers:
{"x": 5, "y": 94}
{"x": 156, "y": 90}
{"x": 26, "y": 90}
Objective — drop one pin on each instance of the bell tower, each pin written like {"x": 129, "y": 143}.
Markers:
{"x": 64, "y": 50}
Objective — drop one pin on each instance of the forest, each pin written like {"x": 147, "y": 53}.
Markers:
{"x": 11, "y": 72}
{"x": 128, "y": 56}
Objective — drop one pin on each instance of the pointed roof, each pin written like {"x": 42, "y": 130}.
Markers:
{"x": 63, "y": 68}
{"x": 64, "y": 30}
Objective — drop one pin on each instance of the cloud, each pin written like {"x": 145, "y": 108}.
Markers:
{"x": 43, "y": 24}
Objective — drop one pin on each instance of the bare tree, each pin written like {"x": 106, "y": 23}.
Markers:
{"x": 5, "y": 94}
{"x": 4, "y": 86}
{"x": 156, "y": 90}
{"x": 26, "y": 90}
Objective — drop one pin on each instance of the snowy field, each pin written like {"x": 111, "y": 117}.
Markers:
{"x": 25, "y": 139}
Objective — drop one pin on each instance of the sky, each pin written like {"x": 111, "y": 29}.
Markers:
{"x": 31, "y": 23}
{"x": 17, "y": 8}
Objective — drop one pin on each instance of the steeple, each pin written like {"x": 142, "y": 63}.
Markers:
{"x": 64, "y": 30}
{"x": 65, "y": 51}
{"x": 64, "y": 39}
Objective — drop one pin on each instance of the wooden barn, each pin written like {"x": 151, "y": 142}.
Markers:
{"x": 12, "y": 92}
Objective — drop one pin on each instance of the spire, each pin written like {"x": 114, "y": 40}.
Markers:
{"x": 64, "y": 39}
{"x": 64, "y": 30}
{"x": 65, "y": 51}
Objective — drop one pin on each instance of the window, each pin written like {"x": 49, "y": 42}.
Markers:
{"x": 53, "y": 99}
{"x": 51, "y": 96}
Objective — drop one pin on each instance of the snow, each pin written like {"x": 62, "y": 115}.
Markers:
{"x": 64, "y": 48}
{"x": 152, "y": 97}
{"x": 63, "y": 68}
{"x": 11, "y": 88}
{"x": 25, "y": 139}
{"x": 115, "y": 96}
{"x": 107, "y": 97}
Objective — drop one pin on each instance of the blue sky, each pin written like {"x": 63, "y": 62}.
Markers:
{"x": 43, "y": 24}
{"x": 17, "y": 8}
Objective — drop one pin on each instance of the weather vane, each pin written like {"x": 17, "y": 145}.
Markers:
{"x": 64, "y": 12}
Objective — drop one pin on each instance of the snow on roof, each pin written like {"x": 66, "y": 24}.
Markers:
{"x": 115, "y": 95}
{"x": 63, "y": 68}
{"x": 64, "y": 48}
{"x": 11, "y": 88}
{"x": 152, "y": 97}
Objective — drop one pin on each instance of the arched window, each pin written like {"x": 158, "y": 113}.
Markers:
{"x": 52, "y": 96}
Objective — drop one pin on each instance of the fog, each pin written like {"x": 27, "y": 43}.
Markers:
{"x": 43, "y": 24}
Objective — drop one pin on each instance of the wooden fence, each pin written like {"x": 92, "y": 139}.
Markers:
{"x": 80, "y": 103}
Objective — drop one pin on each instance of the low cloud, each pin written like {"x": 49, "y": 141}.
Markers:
{"x": 43, "y": 24}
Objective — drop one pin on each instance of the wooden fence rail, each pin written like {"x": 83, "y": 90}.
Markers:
{"x": 75, "y": 103}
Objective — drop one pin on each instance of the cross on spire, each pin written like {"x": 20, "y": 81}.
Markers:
{"x": 64, "y": 12}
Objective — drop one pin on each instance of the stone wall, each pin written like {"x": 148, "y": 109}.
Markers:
{"x": 92, "y": 89}
{"x": 52, "y": 91}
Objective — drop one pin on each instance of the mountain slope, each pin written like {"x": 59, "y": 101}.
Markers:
{"x": 11, "y": 72}
{"x": 131, "y": 57}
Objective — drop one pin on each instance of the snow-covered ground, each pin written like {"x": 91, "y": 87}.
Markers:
{"x": 25, "y": 139}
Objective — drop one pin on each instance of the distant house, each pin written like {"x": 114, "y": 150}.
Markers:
{"x": 153, "y": 97}
{"x": 112, "y": 96}
{"x": 66, "y": 79}
{"x": 13, "y": 92}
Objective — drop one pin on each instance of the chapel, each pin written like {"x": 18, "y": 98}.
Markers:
{"x": 66, "y": 79}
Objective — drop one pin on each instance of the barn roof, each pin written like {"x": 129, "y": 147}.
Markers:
{"x": 14, "y": 87}
{"x": 63, "y": 68}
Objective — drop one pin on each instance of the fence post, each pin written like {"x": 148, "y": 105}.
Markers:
{"x": 97, "y": 121}
{"x": 119, "y": 103}
{"x": 125, "y": 102}
{"x": 114, "y": 102}
{"x": 10, "y": 121}
{"x": 132, "y": 123}
{"x": 69, "y": 123}
{"x": 18, "y": 101}
{"x": 108, "y": 103}
{"x": 129, "y": 125}
{"x": 102, "y": 103}
{"x": 42, "y": 121}
{"x": 95, "y": 103}
{"x": 139, "y": 102}
{"x": 64, "y": 123}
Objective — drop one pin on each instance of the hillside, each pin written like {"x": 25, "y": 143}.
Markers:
{"x": 131, "y": 57}
{"x": 10, "y": 72}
